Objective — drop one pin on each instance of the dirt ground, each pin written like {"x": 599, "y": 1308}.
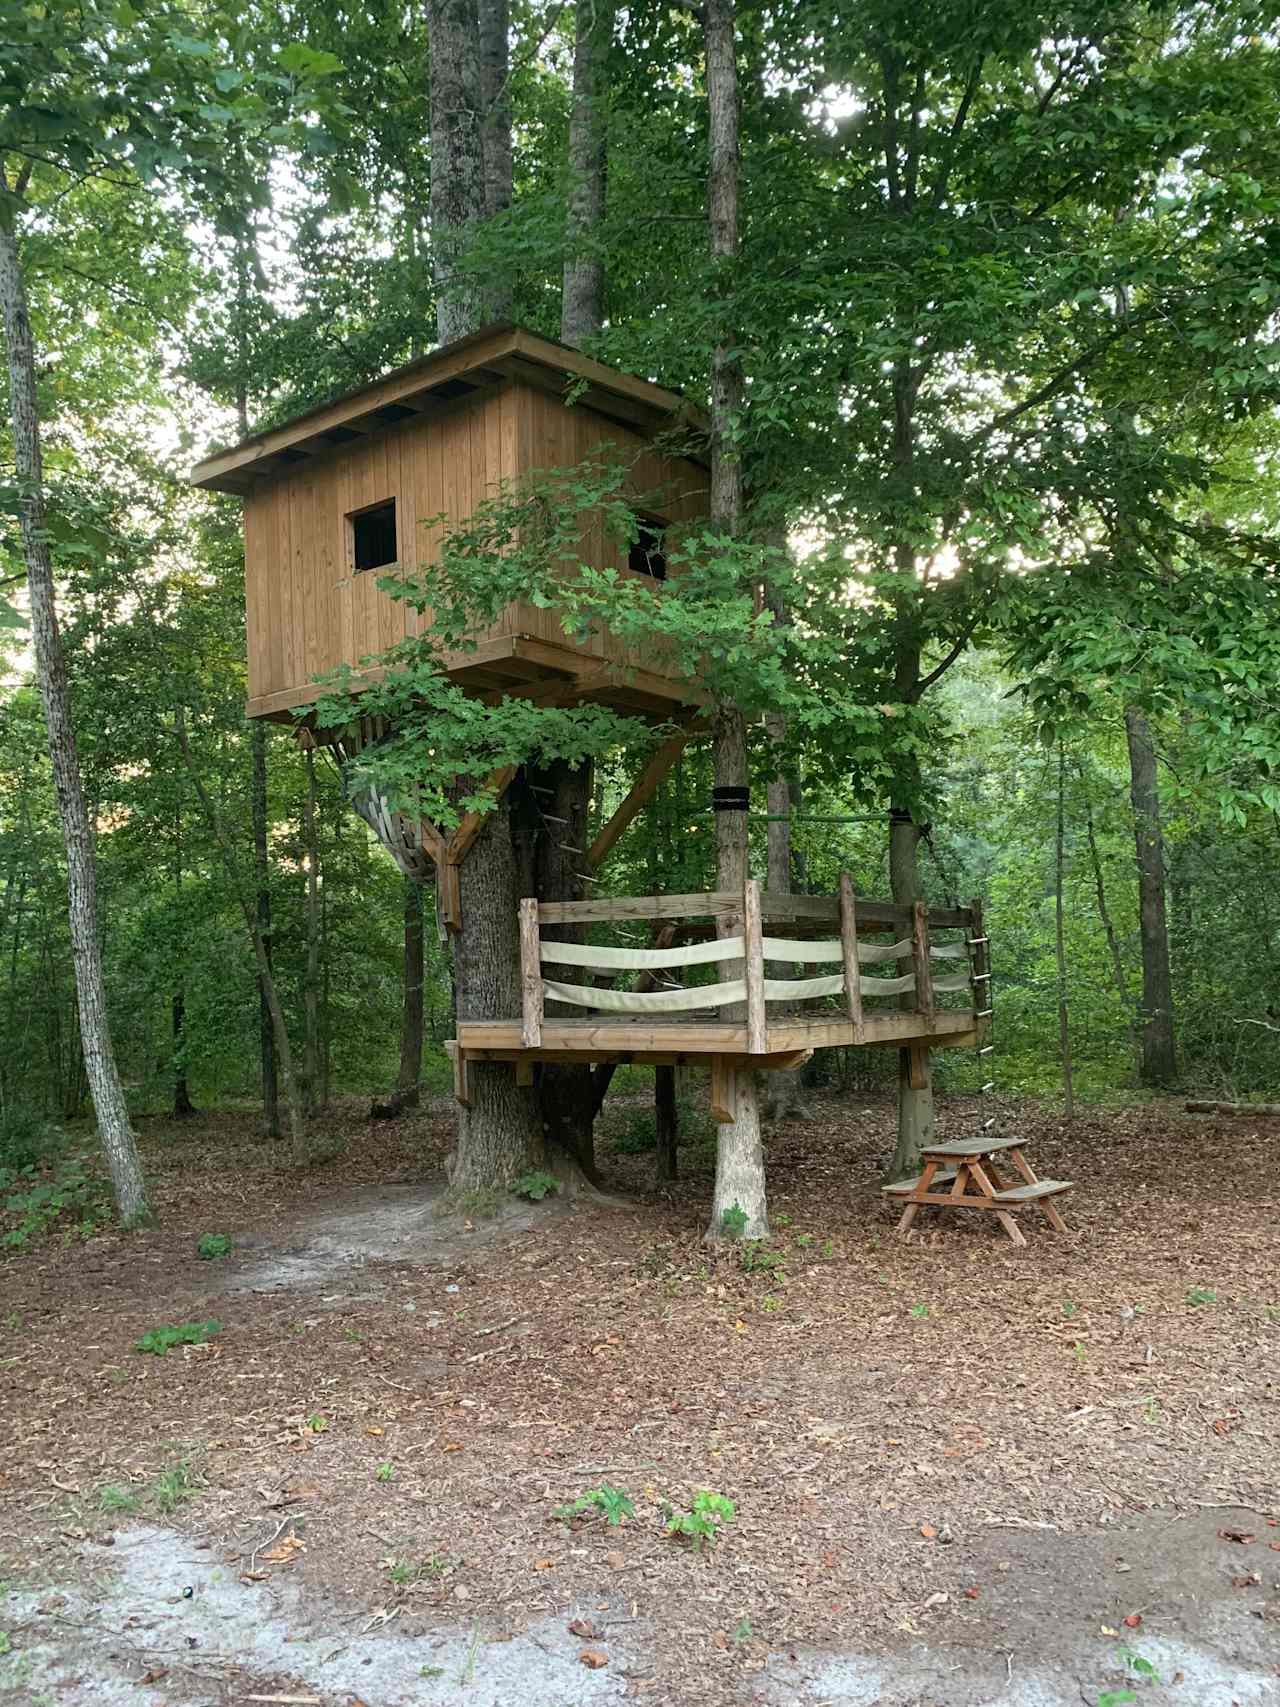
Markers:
{"x": 961, "y": 1472}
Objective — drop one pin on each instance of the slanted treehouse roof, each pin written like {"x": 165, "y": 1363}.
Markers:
{"x": 484, "y": 360}
{"x": 362, "y": 483}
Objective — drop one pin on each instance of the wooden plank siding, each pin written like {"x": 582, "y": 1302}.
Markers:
{"x": 306, "y": 608}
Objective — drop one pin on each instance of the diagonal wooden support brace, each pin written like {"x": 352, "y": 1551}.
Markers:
{"x": 642, "y": 791}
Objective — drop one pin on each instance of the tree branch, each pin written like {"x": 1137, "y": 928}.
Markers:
{"x": 936, "y": 674}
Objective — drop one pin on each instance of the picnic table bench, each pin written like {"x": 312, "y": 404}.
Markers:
{"x": 976, "y": 1181}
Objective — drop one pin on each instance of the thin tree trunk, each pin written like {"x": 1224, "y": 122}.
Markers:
{"x": 284, "y": 1050}
{"x": 457, "y": 161}
{"x": 1158, "y": 1064}
{"x": 262, "y": 908}
{"x": 740, "y": 1180}
{"x": 1118, "y": 975}
{"x": 118, "y": 1142}
{"x": 582, "y": 302}
{"x": 917, "y": 1117}
{"x": 183, "y": 1107}
{"x": 311, "y": 976}
{"x": 1059, "y": 940}
{"x": 408, "y": 1091}
{"x": 782, "y": 1090}
{"x": 667, "y": 1122}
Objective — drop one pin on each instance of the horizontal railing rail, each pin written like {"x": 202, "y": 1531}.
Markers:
{"x": 746, "y": 952}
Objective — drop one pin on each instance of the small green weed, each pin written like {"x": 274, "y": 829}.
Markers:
{"x": 402, "y": 1571}
{"x": 160, "y": 1341}
{"x": 742, "y": 1631}
{"x": 211, "y": 1246}
{"x": 781, "y": 1220}
{"x": 6, "y": 1646}
{"x": 827, "y": 1250}
{"x": 117, "y": 1499}
{"x": 352, "y": 1334}
{"x": 318, "y": 1424}
{"x": 701, "y": 1524}
{"x": 37, "y": 1204}
{"x": 771, "y": 1303}
{"x": 733, "y": 1222}
{"x": 430, "y": 1671}
{"x": 173, "y": 1487}
{"x": 1151, "y": 1410}
{"x": 384, "y": 1472}
{"x": 919, "y": 1312}
{"x": 1116, "y": 1698}
{"x": 803, "y": 1241}
{"x": 759, "y": 1258}
{"x": 1140, "y": 1667}
{"x": 612, "y": 1503}
{"x": 535, "y": 1186}
{"x": 1197, "y": 1295}
{"x": 1079, "y": 1353}
{"x": 1069, "y": 1309}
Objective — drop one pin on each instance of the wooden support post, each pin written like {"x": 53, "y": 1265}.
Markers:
{"x": 724, "y": 1090}
{"x": 849, "y": 945}
{"x": 642, "y": 791}
{"x": 449, "y": 894}
{"x": 920, "y": 958}
{"x": 917, "y": 1066}
{"x": 530, "y": 975}
{"x": 524, "y": 1072}
{"x": 757, "y": 1024}
{"x": 461, "y": 1089}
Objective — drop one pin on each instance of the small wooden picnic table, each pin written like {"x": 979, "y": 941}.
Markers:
{"x": 976, "y": 1180}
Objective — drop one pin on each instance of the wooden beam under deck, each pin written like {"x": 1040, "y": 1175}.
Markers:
{"x": 944, "y": 1029}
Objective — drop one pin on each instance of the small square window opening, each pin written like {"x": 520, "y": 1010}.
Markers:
{"x": 647, "y": 555}
{"x": 373, "y": 536}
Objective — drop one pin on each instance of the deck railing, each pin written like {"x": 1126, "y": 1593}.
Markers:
{"x": 746, "y": 990}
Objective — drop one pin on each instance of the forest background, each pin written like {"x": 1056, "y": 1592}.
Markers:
{"x": 1069, "y": 297}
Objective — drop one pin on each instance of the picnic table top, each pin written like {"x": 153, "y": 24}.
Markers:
{"x": 971, "y": 1147}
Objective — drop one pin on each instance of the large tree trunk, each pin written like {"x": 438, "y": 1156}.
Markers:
{"x": 457, "y": 161}
{"x": 500, "y": 1131}
{"x": 495, "y": 133}
{"x": 917, "y": 1121}
{"x": 408, "y": 1084}
{"x": 118, "y": 1142}
{"x": 1159, "y": 1065}
{"x": 740, "y": 1181}
{"x": 582, "y": 304}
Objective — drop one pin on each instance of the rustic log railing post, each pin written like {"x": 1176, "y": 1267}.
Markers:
{"x": 757, "y": 1025}
{"x": 530, "y": 975}
{"x": 849, "y": 945}
{"x": 920, "y": 958}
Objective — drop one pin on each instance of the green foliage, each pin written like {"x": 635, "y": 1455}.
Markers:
{"x": 919, "y": 1312}
{"x": 67, "y": 1196}
{"x": 160, "y": 1341}
{"x": 112, "y": 1499}
{"x": 613, "y": 1504}
{"x": 27, "y": 1138}
{"x": 385, "y": 1472}
{"x": 702, "y": 1522}
{"x": 733, "y": 1221}
{"x": 758, "y": 1258}
{"x": 211, "y": 1246}
{"x": 173, "y": 1487}
{"x": 1197, "y": 1295}
{"x": 535, "y": 1186}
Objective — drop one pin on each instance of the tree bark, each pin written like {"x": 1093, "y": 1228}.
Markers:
{"x": 495, "y": 133}
{"x": 1118, "y": 975}
{"x": 118, "y": 1142}
{"x": 1059, "y": 940}
{"x": 408, "y": 1084}
{"x": 311, "y": 976}
{"x": 582, "y": 302}
{"x": 917, "y": 1118}
{"x": 1158, "y": 1063}
{"x": 457, "y": 161}
{"x": 500, "y": 1132}
{"x": 740, "y": 1180}
{"x": 782, "y": 1091}
{"x": 262, "y": 911}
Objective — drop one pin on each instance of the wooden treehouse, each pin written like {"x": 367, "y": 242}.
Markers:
{"x": 748, "y": 999}
{"x": 347, "y": 490}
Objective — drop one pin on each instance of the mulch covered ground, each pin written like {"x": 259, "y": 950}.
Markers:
{"x": 874, "y": 1409}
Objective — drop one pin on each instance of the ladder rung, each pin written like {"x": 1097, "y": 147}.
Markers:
{"x": 979, "y": 977}
{"x": 976, "y": 941}
{"x": 988, "y": 1124}
{"x": 987, "y": 1049}
{"x": 984, "y": 1013}
{"x": 989, "y": 1086}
